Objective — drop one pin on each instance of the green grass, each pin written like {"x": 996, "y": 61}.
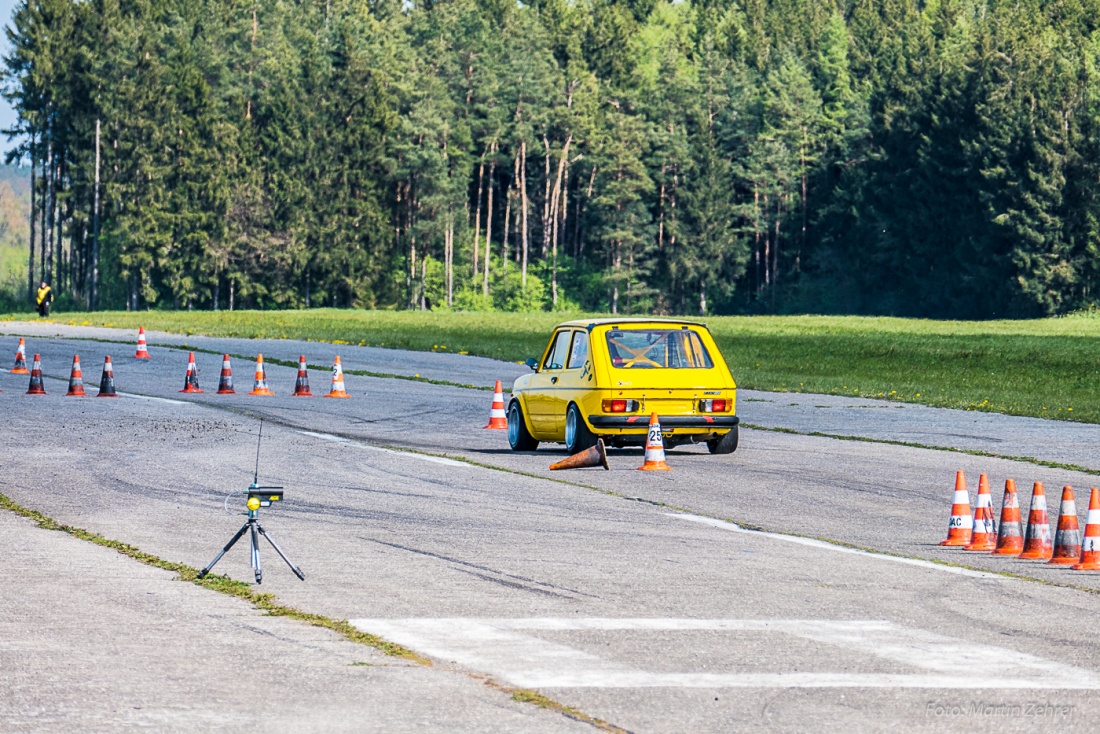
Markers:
{"x": 1047, "y": 368}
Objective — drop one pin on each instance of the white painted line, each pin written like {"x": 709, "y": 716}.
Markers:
{"x": 368, "y": 447}
{"x": 500, "y": 647}
{"x": 814, "y": 543}
{"x": 156, "y": 399}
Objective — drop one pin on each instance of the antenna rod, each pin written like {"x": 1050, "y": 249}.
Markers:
{"x": 256, "y": 475}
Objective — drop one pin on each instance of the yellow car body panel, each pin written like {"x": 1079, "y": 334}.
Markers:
{"x": 663, "y": 366}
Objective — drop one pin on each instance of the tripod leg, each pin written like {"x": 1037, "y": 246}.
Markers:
{"x": 297, "y": 571}
{"x": 202, "y": 573}
{"x": 256, "y": 554}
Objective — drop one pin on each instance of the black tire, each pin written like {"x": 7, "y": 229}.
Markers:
{"x": 725, "y": 445}
{"x": 578, "y": 436}
{"x": 519, "y": 438}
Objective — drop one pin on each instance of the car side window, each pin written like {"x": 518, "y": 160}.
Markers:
{"x": 555, "y": 358}
{"x": 578, "y": 355}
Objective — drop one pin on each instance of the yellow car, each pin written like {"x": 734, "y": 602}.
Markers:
{"x": 603, "y": 378}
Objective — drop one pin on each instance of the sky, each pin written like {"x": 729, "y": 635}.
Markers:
{"x": 7, "y": 114}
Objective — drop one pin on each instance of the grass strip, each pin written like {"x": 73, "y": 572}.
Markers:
{"x": 1042, "y": 368}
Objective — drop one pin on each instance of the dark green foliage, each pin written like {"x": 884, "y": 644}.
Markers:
{"x": 871, "y": 156}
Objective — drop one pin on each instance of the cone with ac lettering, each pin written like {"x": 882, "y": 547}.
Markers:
{"x": 595, "y": 456}
{"x": 1037, "y": 545}
{"x": 36, "y": 387}
{"x": 20, "y": 367}
{"x": 960, "y": 527}
{"x": 654, "y": 447}
{"x": 301, "y": 385}
{"x": 107, "y": 382}
{"x": 1010, "y": 537}
{"x": 983, "y": 535}
{"x": 337, "y": 390}
{"x": 1090, "y": 546}
{"x": 225, "y": 384}
{"x": 142, "y": 347}
{"x": 191, "y": 379}
{"x": 260, "y": 386}
{"x": 76, "y": 380}
{"x": 498, "y": 421}
{"x": 1067, "y": 540}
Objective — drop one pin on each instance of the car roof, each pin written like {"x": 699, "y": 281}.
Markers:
{"x": 590, "y": 323}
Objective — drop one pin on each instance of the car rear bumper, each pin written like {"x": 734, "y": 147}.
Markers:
{"x": 694, "y": 422}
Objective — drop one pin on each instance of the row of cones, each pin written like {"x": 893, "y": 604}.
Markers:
{"x": 76, "y": 379}
{"x": 978, "y": 532}
{"x": 191, "y": 379}
{"x": 260, "y": 386}
{"x": 20, "y": 367}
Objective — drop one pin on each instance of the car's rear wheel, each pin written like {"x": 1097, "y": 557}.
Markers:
{"x": 578, "y": 436}
{"x": 519, "y": 438}
{"x": 725, "y": 445}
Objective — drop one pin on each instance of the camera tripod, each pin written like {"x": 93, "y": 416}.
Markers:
{"x": 253, "y": 527}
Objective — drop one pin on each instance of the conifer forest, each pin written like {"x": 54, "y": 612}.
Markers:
{"x": 935, "y": 158}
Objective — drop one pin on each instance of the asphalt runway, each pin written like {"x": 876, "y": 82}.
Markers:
{"x": 640, "y": 599}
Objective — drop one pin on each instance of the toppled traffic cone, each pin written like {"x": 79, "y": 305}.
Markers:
{"x": 1010, "y": 536}
{"x": 20, "y": 367}
{"x": 191, "y": 379}
{"x": 107, "y": 382}
{"x": 1067, "y": 540}
{"x": 595, "y": 456}
{"x": 142, "y": 348}
{"x": 984, "y": 532}
{"x": 498, "y": 421}
{"x": 301, "y": 385}
{"x": 1037, "y": 545}
{"x": 36, "y": 387}
{"x": 654, "y": 447}
{"x": 1090, "y": 546}
{"x": 338, "y": 390}
{"x": 225, "y": 384}
{"x": 260, "y": 386}
{"x": 76, "y": 380}
{"x": 959, "y": 528}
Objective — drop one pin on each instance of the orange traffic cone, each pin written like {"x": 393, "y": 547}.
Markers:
{"x": 260, "y": 387}
{"x": 191, "y": 379}
{"x": 301, "y": 385}
{"x": 1067, "y": 541}
{"x": 142, "y": 349}
{"x": 36, "y": 387}
{"x": 1090, "y": 547}
{"x": 20, "y": 367}
{"x": 1010, "y": 537}
{"x": 498, "y": 421}
{"x": 107, "y": 382}
{"x": 338, "y": 390}
{"x": 595, "y": 456}
{"x": 76, "y": 380}
{"x": 984, "y": 533}
{"x": 225, "y": 384}
{"x": 1037, "y": 546}
{"x": 961, "y": 525}
{"x": 654, "y": 447}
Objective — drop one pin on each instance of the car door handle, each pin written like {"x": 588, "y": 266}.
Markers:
{"x": 553, "y": 380}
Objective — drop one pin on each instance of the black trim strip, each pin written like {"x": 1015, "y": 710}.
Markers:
{"x": 672, "y": 421}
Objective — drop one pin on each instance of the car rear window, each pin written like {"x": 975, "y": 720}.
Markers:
{"x": 657, "y": 349}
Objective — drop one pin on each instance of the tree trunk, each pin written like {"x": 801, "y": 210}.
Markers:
{"x": 489, "y": 222}
{"x": 523, "y": 205}
{"x": 93, "y": 290}
{"x": 477, "y": 215}
{"x": 30, "y": 257}
{"x": 47, "y": 221}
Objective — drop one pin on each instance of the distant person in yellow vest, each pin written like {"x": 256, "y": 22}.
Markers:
{"x": 45, "y": 298}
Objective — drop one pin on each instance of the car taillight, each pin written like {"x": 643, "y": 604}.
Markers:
{"x": 720, "y": 405}
{"x": 620, "y": 406}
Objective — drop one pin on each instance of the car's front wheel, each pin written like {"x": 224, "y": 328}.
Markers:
{"x": 578, "y": 436}
{"x": 519, "y": 438}
{"x": 726, "y": 444}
